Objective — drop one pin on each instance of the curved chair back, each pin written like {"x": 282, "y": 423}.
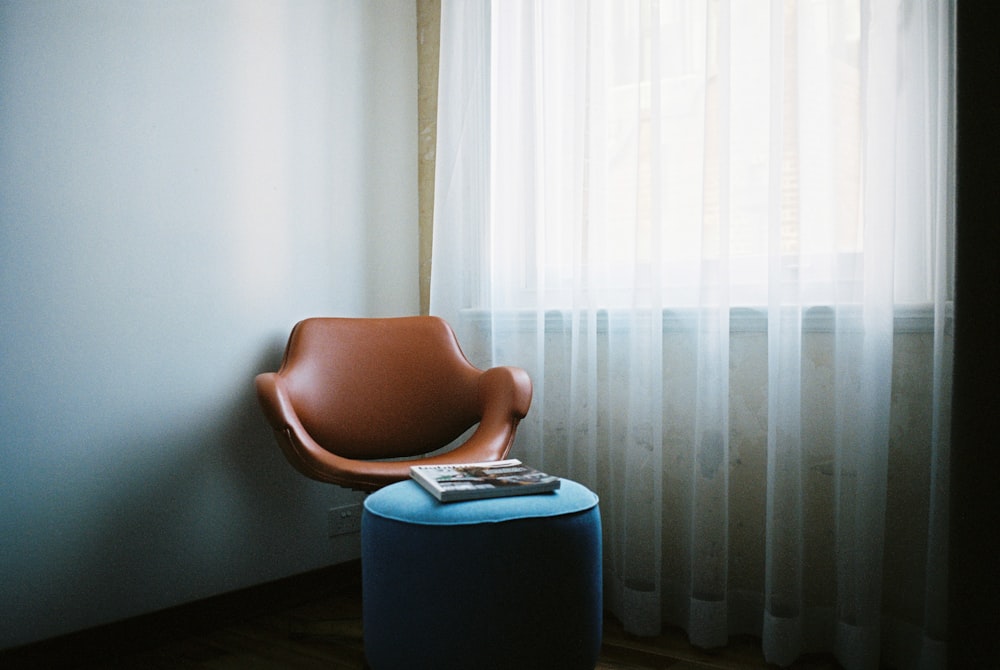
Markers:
{"x": 351, "y": 392}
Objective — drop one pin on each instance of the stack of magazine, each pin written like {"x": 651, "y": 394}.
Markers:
{"x": 473, "y": 481}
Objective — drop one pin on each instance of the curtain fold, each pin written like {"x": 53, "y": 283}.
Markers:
{"x": 718, "y": 235}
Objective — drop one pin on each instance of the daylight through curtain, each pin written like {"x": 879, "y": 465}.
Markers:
{"x": 717, "y": 235}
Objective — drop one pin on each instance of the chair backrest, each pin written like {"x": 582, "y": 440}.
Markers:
{"x": 380, "y": 388}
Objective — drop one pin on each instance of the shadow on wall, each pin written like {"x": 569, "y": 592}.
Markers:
{"x": 210, "y": 506}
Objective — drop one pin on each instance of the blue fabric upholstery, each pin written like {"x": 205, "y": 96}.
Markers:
{"x": 504, "y": 583}
{"x": 409, "y": 503}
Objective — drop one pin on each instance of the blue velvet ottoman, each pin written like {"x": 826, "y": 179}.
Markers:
{"x": 506, "y": 583}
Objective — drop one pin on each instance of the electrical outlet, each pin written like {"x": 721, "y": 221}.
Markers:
{"x": 345, "y": 519}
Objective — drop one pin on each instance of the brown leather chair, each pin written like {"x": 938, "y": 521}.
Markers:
{"x": 353, "y": 392}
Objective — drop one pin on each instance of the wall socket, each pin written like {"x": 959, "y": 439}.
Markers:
{"x": 344, "y": 520}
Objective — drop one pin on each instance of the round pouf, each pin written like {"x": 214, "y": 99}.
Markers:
{"x": 505, "y": 583}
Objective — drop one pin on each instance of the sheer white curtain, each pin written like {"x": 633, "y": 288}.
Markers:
{"x": 717, "y": 235}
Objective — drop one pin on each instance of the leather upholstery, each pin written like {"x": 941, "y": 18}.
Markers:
{"x": 351, "y": 392}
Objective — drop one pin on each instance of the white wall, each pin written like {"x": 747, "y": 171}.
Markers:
{"x": 180, "y": 182}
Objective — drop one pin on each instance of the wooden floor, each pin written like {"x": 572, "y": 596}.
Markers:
{"x": 304, "y": 625}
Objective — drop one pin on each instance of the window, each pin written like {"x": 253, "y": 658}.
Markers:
{"x": 668, "y": 153}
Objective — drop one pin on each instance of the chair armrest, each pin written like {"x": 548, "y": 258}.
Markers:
{"x": 506, "y": 391}
{"x": 274, "y": 401}
{"x": 504, "y": 399}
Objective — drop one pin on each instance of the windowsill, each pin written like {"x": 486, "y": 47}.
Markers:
{"x": 906, "y": 319}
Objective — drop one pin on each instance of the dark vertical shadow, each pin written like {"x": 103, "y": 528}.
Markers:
{"x": 974, "y": 571}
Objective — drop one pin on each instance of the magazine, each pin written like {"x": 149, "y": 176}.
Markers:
{"x": 473, "y": 481}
